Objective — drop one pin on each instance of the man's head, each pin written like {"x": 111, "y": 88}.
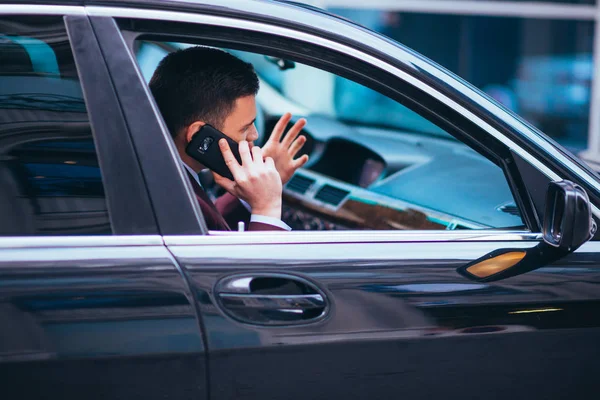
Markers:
{"x": 201, "y": 85}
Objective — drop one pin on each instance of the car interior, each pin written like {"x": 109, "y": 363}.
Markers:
{"x": 374, "y": 163}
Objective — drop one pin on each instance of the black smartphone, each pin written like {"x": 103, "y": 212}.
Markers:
{"x": 204, "y": 148}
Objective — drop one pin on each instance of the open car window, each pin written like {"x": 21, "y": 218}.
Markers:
{"x": 374, "y": 163}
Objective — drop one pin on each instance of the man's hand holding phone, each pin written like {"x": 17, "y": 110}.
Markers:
{"x": 256, "y": 180}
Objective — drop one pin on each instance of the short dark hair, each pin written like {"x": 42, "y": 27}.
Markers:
{"x": 200, "y": 83}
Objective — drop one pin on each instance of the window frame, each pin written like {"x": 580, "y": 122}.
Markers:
{"x": 173, "y": 201}
{"x": 129, "y": 212}
{"x": 247, "y": 40}
{"x": 127, "y": 199}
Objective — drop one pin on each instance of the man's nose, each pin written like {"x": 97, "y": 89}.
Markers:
{"x": 252, "y": 134}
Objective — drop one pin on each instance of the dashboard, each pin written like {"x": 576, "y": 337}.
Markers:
{"x": 349, "y": 162}
{"x": 372, "y": 178}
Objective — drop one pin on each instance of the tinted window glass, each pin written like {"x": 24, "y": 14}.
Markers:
{"x": 50, "y": 181}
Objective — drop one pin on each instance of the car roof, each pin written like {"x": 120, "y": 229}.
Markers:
{"x": 282, "y": 12}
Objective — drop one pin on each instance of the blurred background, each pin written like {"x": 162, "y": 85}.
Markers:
{"x": 535, "y": 57}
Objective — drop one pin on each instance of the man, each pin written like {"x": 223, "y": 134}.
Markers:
{"x": 201, "y": 85}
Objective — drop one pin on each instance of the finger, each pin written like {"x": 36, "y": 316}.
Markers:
{"x": 225, "y": 183}
{"x": 257, "y": 155}
{"x": 244, "y": 149}
{"x": 300, "y": 161}
{"x": 293, "y": 132}
{"x": 229, "y": 158}
{"x": 270, "y": 164}
{"x": 296, "y": 146}
{"x": 280, "y": 127}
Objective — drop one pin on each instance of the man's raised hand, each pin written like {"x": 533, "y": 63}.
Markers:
{"x": 283, "y": 151}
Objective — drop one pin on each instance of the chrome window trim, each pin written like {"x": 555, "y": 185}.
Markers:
{"x": 309, "y": 38}
{"x": 41, "y": 9}
{"x": 337, "y": 237}
{"x": 16, "y": 242}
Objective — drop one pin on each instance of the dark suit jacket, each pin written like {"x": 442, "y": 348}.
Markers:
{"x": 225, "y": 213}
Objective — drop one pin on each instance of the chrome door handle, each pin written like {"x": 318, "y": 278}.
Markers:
{"x": 271, "y": 299}
{"x": 273, "y": 302}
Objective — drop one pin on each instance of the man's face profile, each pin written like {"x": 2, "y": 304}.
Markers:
{"x": 239, "y": 124}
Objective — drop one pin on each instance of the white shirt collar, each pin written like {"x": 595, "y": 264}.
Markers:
{"x": 192, "y": 172}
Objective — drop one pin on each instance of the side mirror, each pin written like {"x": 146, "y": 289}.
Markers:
{"x": 568, "y": 221}
{"x": 568, "y": 224}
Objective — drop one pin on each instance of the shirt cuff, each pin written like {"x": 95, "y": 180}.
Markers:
{"x": 269, "y": 221}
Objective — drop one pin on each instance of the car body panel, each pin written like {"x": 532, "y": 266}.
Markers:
{"x": 401, "y": 320}
{"x": 104, "y": 317}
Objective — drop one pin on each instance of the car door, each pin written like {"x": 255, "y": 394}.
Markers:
{"x": 379, "y": 314}
{"x": 92, "y": 304}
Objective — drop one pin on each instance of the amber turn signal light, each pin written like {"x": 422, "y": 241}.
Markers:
{"x": 497, "y": 264}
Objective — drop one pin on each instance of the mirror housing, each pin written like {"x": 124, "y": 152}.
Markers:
{"x": 568, "y": 223}
{"x": 282, "y": 63}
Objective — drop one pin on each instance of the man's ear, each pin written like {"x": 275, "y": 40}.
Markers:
{"x": 192, "y": 129}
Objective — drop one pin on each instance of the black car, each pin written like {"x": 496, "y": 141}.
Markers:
{"x": 442, "y": 247}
